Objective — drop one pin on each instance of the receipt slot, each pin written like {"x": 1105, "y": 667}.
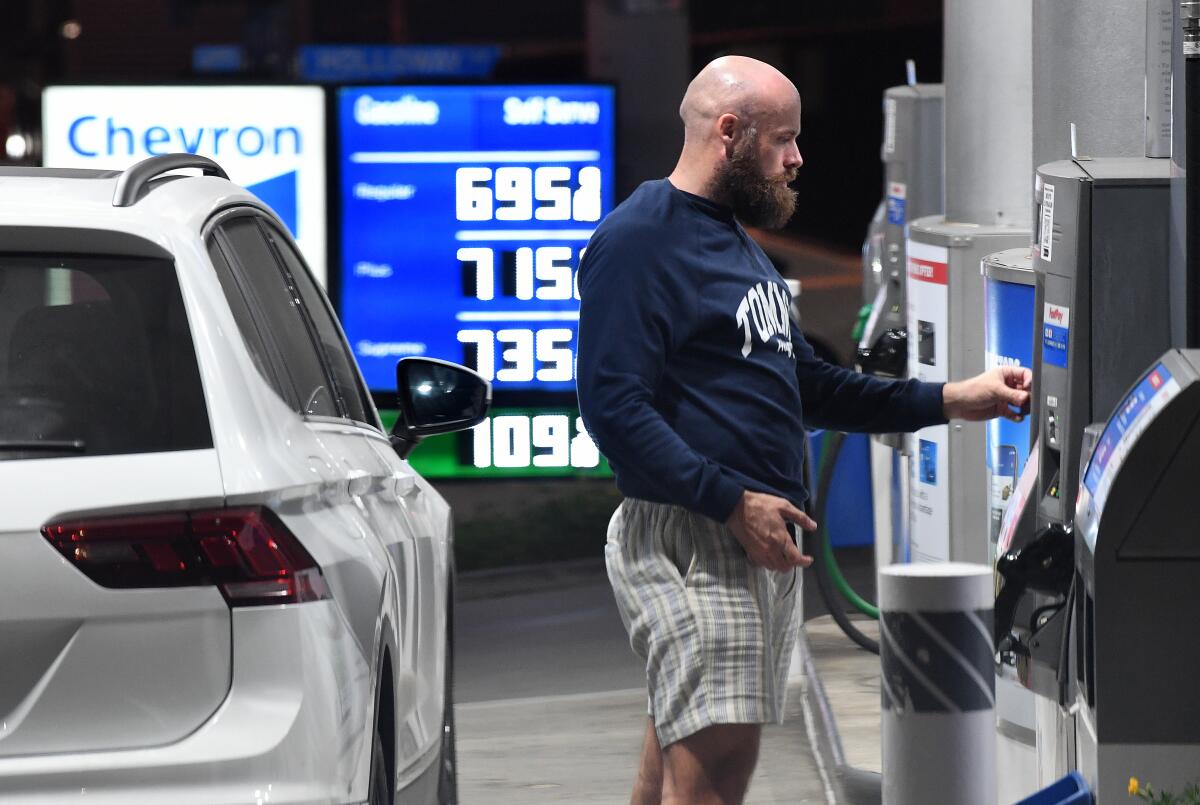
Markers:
{"x": 1136, "y": 600}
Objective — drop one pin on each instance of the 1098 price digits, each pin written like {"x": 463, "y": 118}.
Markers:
{"x": 543, "y": 440}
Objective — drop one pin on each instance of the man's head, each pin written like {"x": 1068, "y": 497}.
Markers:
{"x": 741, "y": 119}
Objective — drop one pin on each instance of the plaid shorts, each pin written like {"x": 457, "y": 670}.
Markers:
{"x": 716, "y": 631}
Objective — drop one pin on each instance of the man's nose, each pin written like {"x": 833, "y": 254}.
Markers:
{"x": 792, "y": 159}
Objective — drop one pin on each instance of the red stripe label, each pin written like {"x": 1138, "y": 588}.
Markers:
{"x": 928, "y": 271}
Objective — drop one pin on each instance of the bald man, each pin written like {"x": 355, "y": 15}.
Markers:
{"x": 691, "y": 379}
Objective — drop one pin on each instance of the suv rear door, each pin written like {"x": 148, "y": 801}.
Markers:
{"x": 102, "y": 414}
{"x": 361, "y": 526}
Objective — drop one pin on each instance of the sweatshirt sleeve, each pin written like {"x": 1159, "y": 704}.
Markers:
{"x": 635, "y": 309}
{"x": 838, "y": 398}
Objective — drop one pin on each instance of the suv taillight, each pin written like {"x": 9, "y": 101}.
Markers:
{"x": 247, "y": 552}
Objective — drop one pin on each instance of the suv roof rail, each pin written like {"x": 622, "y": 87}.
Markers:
{"x": 133, "y": 181}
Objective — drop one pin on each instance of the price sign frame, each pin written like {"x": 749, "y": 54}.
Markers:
{"x": 532, "y": 364}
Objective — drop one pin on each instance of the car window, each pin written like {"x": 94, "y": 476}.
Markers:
{"x": 96, "y": 358}
{"x": 262, "y": 349}
{"x": 269, "y": 294}
{"x": 346, "y": 379}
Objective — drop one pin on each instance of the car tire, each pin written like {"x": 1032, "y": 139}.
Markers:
{"x": 380, "y": 791}
{"x": 448, "y": 761}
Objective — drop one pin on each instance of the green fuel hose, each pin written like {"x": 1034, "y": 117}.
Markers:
{"x": 827, "y": 571}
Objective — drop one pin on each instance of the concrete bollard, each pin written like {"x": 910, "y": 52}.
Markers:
{"x": 938, "y": 684}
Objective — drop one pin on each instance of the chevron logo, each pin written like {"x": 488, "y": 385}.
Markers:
{"x": 279, "y": 193}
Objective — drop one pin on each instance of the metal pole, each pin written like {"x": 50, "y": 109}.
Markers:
{"x": 989, "y": 125}
{"x": 938, "y": 687}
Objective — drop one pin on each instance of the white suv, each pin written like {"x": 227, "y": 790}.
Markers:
{"x": 220, "y": 581}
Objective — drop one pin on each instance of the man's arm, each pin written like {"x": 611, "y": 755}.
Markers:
{"x": 838, "y": 398}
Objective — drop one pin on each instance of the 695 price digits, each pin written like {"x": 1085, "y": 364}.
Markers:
{"x": 524, "y": 194}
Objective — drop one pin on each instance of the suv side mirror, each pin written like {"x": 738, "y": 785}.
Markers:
{"x": 436, "y": 397}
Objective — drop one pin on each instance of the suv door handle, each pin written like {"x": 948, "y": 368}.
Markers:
{"x": 359, "y": 483}
{"x": 405, "y": 485}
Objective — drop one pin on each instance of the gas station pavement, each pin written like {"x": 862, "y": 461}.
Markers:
{"x": 551, "y": 704}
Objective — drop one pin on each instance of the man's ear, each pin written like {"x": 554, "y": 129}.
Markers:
{"x": 729, "y": 128}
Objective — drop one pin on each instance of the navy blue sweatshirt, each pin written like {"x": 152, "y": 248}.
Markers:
{"x": 691, "y": 372}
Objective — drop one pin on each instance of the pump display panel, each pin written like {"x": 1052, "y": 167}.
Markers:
{"x": 464, "y": 212}
{"x": 1129, "y": 419}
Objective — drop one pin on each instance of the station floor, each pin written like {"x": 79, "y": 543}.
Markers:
{"x": 551, "y": 701}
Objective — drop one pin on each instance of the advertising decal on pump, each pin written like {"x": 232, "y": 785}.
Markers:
{"x": 1008, "y": 341}
{"x": 269, "y": 139}
{"x": 928, "y": 320}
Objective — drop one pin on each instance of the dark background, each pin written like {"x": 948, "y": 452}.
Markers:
{"x": 840, "y": 55}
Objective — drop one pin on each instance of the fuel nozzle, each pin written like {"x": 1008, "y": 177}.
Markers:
{"x": 887, "y": 357}
{"x": 1046, "y": 565}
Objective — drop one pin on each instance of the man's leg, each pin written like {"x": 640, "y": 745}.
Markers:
{"x": 712, "y": 766}
{"x": 647, "y": 789}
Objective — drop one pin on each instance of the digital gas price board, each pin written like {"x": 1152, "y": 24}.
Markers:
{"x": 465, "y": 210}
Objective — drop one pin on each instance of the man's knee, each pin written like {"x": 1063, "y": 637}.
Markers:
{"x": 721, "y": 758}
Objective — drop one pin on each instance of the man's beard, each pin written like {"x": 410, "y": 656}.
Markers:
{"x": 756, "y": 200}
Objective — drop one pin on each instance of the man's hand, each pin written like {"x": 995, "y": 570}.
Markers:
{"x": 1004, "y": 391}
{"x": 760, "y": 524}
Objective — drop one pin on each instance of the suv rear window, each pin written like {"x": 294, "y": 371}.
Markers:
{"x": 96, "y": 358}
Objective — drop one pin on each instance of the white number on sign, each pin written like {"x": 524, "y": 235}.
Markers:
{"x": 472, "y": 196}
{"x": 548, "y": 273}
{"x": 554, "y": 351}
{"x": 553, "y": 190}
{"x": 518, "y": 357}
{"x": 485, "y": 270}
{"x": 545, "y": 354}
{"x": 514, "y": 194}
{"x": 587, "y": 197}
{"x": 518, "y": 188}
{"x": 515, "y": 441}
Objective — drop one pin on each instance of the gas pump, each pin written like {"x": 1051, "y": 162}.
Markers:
{"x": 948, "y": 500}
{"x": 1132, "y": 678}
{"x": 1100, "y": 260}
{"x": 913, "y": 187}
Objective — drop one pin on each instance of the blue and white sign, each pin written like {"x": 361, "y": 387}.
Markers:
{"x": 1056, "y": 331}
{"x": 897, "y": 203}
{"x": 392, "y": 62}
{"x": 1008, "y": 341}
{"x": 270, "y": 140}
{"x": 464, "y": 213}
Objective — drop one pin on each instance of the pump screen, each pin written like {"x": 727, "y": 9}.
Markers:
{"x": 1130, "y": 418}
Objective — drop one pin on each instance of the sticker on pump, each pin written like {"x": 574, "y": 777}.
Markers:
{"x": 1056, "y": 330}
{"x": 897, "y": 203}
{"x": 1046, "y": 244}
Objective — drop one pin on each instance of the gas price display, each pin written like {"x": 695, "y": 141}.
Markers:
{"x": 465, "y": 210}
